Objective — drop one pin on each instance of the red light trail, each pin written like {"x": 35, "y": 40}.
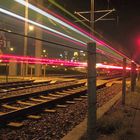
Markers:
{"x": 58, "y": 62}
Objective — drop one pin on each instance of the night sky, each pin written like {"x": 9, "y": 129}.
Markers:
{"x": 126, "y": 32}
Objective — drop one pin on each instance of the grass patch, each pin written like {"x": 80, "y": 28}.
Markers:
{"x": 110, "y": 124}
{"x": 126, "y": 134}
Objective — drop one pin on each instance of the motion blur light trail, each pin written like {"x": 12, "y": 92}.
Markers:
{"x": 82, "y": 35}
{"x": 73, "y": 41}
{"x": 33, "y": 60}
{"x": 99, "y": 65}
{"x": 50, "y": 16}
{"x": 39, "y": 25}
{"x": 11, "y": 58}
{"x": 68, "y": 25}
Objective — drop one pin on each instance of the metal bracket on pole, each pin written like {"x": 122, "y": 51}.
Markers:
{"x": 91, "y": 122}
{"x": 82, "y": 17}
{"x": 107, "y": 12}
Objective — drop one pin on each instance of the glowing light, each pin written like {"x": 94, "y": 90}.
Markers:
{"x": 69, "y": 25}
{"x": 31, "y": 27}
{"x": 11, "y": 49}
{"x": 12, "y": 58}
{"x": 44, "y": 51}
{"x": 75, "y": 53}
{"x": 50, "y": 16}
{"x": 99, "y": 65}
{"x": 57, "y": 62}
{"x": 81, "y": 43}
{"x": 88, "y": 34}
{"x": 38, "y": 24}
{"x": 78, "y": 43}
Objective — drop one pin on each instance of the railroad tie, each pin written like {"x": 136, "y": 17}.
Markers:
{"x": 25, "y": 103}
{"x": 70, "y": 102}
{"x": 61, "y": 106}
{"x": 47, "y": 97}
{"x": 11, "y": 107}
{"x": 38, "y": 100}
{"x": 33, "y": 117}
{"x": 66, "y": 91}
{"x": 50, "y": 110}
{"x": 54, "y": 95}
{"x": 69, "y": 89}
{"x": 44, "y": 97}
{"x": 1, "y": 113}
{"x": 83, "y": 96}
{"x": 15, "y": 124}
{"x": 69, "y": 92}
{"x": 62, "y": 93}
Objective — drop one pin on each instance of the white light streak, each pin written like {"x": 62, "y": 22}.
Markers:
{"x": 34, "y": 8}
{"x": 39, "y": 25}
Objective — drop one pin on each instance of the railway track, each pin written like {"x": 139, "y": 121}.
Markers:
{"x": 24, "y": 104}
{"x": 52, "y": 120}
{"x": 9, "y": 87}
{"x": 28, "y": 88}
{"x": 15, "y": 84}
{"x": 33, "y": 101}
{"x": 32, "y": 91}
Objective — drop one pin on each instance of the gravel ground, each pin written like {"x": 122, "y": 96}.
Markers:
{"x": 53, "y": 126}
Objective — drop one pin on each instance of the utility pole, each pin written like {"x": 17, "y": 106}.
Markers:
{"x": 24, "y": 66}
{"x": 133, "y": 76}
{"x": 124, "y": 82}
{"x": 38, "y": 43}
{"x": 91, "y": 121}
{"x": 92, "y": 16}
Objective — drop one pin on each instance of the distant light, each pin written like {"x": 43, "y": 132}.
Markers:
{"x": 11, "y": 49}
{"x": 75, "y": 54}
{"x": 84, "y": 54}
{"x": 44, "y": 51}
{"x": 31, "y": 27}
{"x": 9, "y": 31}
{"x": 61, "y": 55}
